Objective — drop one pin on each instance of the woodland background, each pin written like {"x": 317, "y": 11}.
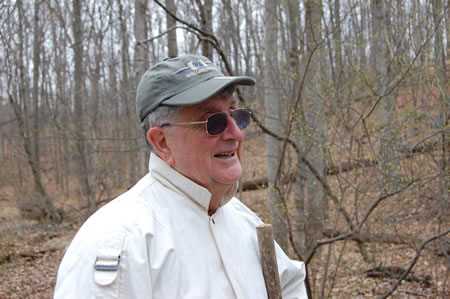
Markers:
{"x": 348, "y": 154}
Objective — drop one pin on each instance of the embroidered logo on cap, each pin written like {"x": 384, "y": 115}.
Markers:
{"x": 196, "y": 67}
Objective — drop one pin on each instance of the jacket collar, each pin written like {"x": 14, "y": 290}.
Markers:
{"x": 178, "y": 182}
{"x": 175, "y": 180}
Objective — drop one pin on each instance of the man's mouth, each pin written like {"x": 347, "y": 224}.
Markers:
{"x": 224, "y": 155}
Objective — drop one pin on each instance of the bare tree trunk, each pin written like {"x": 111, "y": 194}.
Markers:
{"x": 294, "y": 27}
{"x": 315, "y": 125}
{"x": 141, "y": 58}
{"x": 226, "y": 26}
{"x": 115, "y": 96}
{"x": 125, "y": 95}
{"x": 363, "y": 40}
{"x": 235, "y": 39}
{"x": 141, "y": 64}
{"x": 78, "y": 96}
{"x": 35, "y": 92}
{"x": 337, "y": 38}
{"x": 2, "y": 157}
{"x": 66, "y": 102}
{"x": 62, "y": 117}
{"x": 247, "y": 39}
{"x": 301, "y": 217}
{"x": 172, "y": 44}
{"x": 447, "y": 26}
{"x": 420, "y": 64}
{"x": 206, "y": 25}
{"x": 273, "y": 122}
{"x": 389, "y": 174}
{"x": 95, "y": 118}
{"x": 294, "y": 57}
{"x": 59, "y": 176}
{"x": 23, "y": 86}
{"x": 444, "y": 103}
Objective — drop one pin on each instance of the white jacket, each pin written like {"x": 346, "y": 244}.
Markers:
{"x": 157, "y": 241}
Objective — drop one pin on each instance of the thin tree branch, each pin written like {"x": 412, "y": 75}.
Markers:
{"x": 141, "y": 42}
{"x": 402, "y": 76}
{"x": 413, "y": 262}
{"x": 360, "y": 224}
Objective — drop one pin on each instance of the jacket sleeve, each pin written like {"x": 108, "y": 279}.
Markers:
{"x": 292, "y": 276}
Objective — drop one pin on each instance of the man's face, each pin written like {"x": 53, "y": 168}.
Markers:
{"x": 211, "y": 161}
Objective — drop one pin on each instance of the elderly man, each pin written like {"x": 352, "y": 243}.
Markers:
{"x": 179, "y": 232}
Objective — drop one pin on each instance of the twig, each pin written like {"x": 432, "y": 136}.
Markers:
{"x": 360, "y": 224}
{"x": 159, "y": 35}
{"x": 414, "y": 261}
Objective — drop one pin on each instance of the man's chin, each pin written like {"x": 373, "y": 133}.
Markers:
{"x": 228, "y": 179}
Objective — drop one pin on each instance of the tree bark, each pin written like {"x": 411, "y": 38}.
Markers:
{"x": 314, "y": 124}
{"x": 206, "y": 25}
{"x": 172, "y": 45}
{"x": 78, "y": 96}
{"x": 125, "y": 95}
{"x": 389, "y": 167}
{"x": 444, "y": 115}
{"x": 35, "y": 91}
{"x": 273, "y": 121}
{"x": 141, "y": 64}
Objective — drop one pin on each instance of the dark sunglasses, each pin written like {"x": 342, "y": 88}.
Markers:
{"x": 216, "y": 123}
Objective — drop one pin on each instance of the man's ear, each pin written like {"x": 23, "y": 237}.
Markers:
{"x": 156, "y": 136}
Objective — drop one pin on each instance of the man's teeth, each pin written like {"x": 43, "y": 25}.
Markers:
{"x": 224, "y": 155}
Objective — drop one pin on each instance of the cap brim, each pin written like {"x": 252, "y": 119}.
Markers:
{"x": 205, "y": 90}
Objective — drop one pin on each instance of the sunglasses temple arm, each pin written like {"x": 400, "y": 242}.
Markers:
{"x": 189, "y": 123}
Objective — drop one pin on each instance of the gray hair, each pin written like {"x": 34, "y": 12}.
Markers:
{"x": 166, "y": 114}
{"x": 158, "y": 117}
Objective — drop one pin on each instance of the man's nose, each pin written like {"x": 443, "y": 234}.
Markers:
{"x": 232, "y": 131}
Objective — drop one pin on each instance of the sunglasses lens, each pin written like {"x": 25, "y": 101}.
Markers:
{"x": 216, "y": 123}
{"x": 241, "y": 117}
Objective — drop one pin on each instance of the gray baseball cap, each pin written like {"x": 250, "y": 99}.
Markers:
{"x": 182, "y": 81}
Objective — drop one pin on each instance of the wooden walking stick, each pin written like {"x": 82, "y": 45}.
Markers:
{"x": 269, "y": 261}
